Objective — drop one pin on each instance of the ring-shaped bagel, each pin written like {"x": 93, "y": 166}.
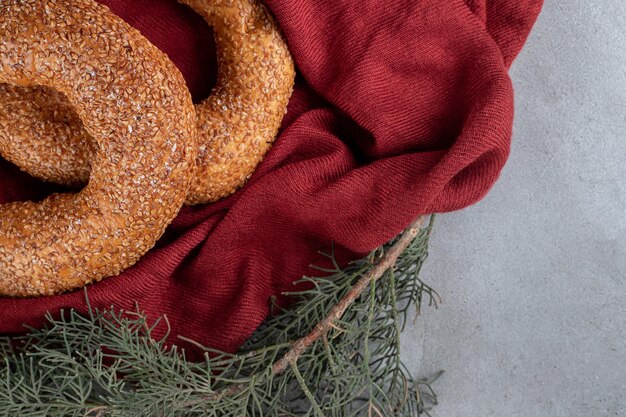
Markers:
{"x": 135, "y": 106}
{"x": 237, "y": 124}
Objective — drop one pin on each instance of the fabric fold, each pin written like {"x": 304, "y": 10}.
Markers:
{"x": 401, "y": 108}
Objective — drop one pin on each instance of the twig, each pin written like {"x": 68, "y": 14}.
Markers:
{"x": 322, "y": 328}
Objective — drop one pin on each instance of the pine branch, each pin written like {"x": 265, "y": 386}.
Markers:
{"x": 345, "y": 360}
{"x": 388, "y": 261}
{"x": 322, "y": 328}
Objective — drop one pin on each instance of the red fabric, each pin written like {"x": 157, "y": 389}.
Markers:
{"x": 401, "y": 107}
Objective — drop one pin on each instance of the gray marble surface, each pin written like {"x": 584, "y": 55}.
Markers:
{"x": 534, "y": 276}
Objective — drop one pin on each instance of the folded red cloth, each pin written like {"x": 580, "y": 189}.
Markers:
{"x": 401, "y": 108}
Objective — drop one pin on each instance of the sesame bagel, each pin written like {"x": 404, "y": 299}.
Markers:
{"x": 237, "y": 124}
{"x": 136, "y": 108}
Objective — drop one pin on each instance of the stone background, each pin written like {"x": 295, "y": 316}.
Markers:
{"x": 534, "y": 277}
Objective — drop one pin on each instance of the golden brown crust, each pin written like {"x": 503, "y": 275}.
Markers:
{"x": 135, "y": 106}
{"x": 237, "y": 123}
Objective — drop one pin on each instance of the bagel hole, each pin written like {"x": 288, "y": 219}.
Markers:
{"x": 200, "y": 66}
{"x": 17, "y": 185}
{"x": 19, "y": 181}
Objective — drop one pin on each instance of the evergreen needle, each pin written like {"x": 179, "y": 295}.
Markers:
{"x": 335, "y": 352}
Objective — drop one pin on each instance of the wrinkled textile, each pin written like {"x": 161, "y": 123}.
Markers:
{"x": 401, "y": 108}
